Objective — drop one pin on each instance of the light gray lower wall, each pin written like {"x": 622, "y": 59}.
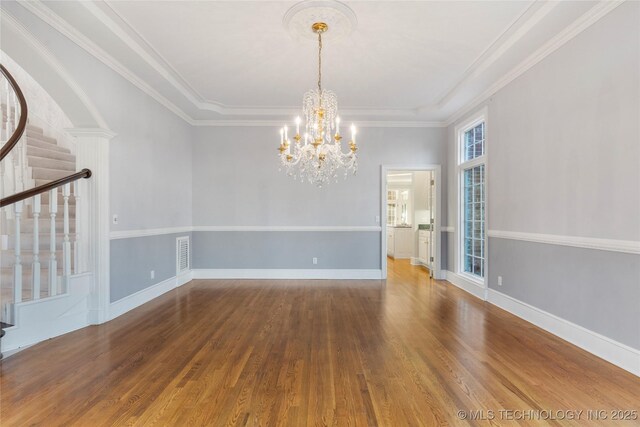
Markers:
{"x": 598, "y": 290}
{"x": 133, "y": 259}
{"x": 444, "y": 250}
{"x": 286, "y": 249}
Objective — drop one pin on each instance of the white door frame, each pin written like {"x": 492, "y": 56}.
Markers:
{"x": 437, "y": 170}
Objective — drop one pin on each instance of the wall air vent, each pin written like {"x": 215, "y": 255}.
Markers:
{"x": 183, "y": 255}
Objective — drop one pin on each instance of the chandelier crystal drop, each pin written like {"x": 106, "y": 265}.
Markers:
{"x": 316, "y": 155}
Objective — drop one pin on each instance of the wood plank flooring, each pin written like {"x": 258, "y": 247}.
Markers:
{"x": 309, "y": 353}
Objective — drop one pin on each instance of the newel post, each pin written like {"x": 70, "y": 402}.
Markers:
{"x": 93, "y": 211}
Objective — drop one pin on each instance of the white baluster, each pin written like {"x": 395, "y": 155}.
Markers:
{"x": 17, "y": 158}
{"x": 17, "y": 164}
{"x": 2, "y": 111}
{"x": 53, "y": 264}
{"x": 77, "y": 242}
{"x": 8, "y": 93}
{"x": 9, "y": 179}
{"x": 17, "y": 266}
{"x": 66, "y": 246}
{"x": 2, "y": 175}
{"x": 36, "y": 248}
{"x": 16, "y": 110}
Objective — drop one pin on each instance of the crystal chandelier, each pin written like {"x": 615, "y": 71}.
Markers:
{"x": 316, "y": 156}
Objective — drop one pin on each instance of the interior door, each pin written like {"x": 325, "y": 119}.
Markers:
{"x": 432, "y": 223}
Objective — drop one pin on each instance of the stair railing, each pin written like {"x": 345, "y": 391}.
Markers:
{"x": 13, "y": 172}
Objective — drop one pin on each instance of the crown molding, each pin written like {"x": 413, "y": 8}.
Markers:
{"x": 593, "y": 15}
{"x": 527, "y": 20}
{"x": 493, "y": 52}
{"x": 146, "y": 51}
{"x": 148, "y": 54}
{"x": 278, "y": 123}
{"x": 48, "y": 57}
{"x": 67, "y": 30}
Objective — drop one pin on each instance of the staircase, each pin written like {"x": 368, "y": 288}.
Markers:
{"x": 45, "y": 284}
{"x": 46, "y": 161}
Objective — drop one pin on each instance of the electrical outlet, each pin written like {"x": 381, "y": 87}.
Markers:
{"x": 315, "y": 260}
{"x": 115, "y": 218}
{"x": 499, "y": 280}
{"x": 152, "y": 273}
{"x": 377, "y": 219}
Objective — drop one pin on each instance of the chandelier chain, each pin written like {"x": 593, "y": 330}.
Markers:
{"x": 320, "y": 62}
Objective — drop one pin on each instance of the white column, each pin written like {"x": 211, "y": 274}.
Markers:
{"x": 53, "y": 263}
{"x": 35, "y": 266}
{"x": 66, "y": 245}
{"x": 92, "y": 152}
{"x": 17, "y": 266}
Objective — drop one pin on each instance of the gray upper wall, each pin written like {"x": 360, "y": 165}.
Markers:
{"x": 236, "y": 179}
{"x": 150, "y": 158}
{"x": 563, "y": 144}
{"x": 566, "y": 134}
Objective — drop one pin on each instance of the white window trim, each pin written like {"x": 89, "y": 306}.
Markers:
{"x": 461, "y": 165}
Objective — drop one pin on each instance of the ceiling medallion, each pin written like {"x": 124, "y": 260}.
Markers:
{"x": 316, "y": 155}
{"x": 338, "y": 16}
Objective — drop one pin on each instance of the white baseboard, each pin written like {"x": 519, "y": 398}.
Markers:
{"x": 183, "y": 278}
{"x": 418, "y": 261}
{"x": 610, "y": 350}
{"x": 465, "y": 284}
{"x": 128, "y": 303}
{"x": 335, "y": 274}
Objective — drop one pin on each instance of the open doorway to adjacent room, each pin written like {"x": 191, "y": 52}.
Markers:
{"x": 411, "y": 217}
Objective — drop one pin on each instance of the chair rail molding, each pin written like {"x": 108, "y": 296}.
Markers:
{"x": 93, "y": 152}
{"x": 626, "y": 246}
{"x": 129, "y": 234}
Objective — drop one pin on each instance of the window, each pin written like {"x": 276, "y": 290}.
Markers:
{"x": 391, "y": 207}
{"x": 472, "y": 201}
{"x": 473, "y": 194}
{"x": 474, "y": 142}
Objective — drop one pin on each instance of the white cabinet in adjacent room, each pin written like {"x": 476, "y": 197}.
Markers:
{"x": 424, "y": 247}
{"x": 400, "y": 241}
{"x": 390, "y": 241}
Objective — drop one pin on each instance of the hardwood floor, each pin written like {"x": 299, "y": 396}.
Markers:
{"x": 344, "y": 353}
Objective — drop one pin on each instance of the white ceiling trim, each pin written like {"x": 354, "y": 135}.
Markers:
{"x": 147, "y": 52}
{"x": 176, "y": 80}
{"x": 173, "y": 77}
{"x": 39, "y": 9}
{"x": 362, "y": 124}
{"x": 593, "y": 15}
{"x": 62, "y": 26}
{"x": 514, "y": 32}
{"x": 10, "y": 21}
{"x": 602, "y": 8}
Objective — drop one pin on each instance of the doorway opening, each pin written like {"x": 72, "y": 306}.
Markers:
{"x": 411, "y": 215}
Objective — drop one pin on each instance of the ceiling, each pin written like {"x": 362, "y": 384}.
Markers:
{"x": 414, "y": 62}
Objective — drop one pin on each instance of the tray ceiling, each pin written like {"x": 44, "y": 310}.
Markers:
{"x": 417, "y": 61}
